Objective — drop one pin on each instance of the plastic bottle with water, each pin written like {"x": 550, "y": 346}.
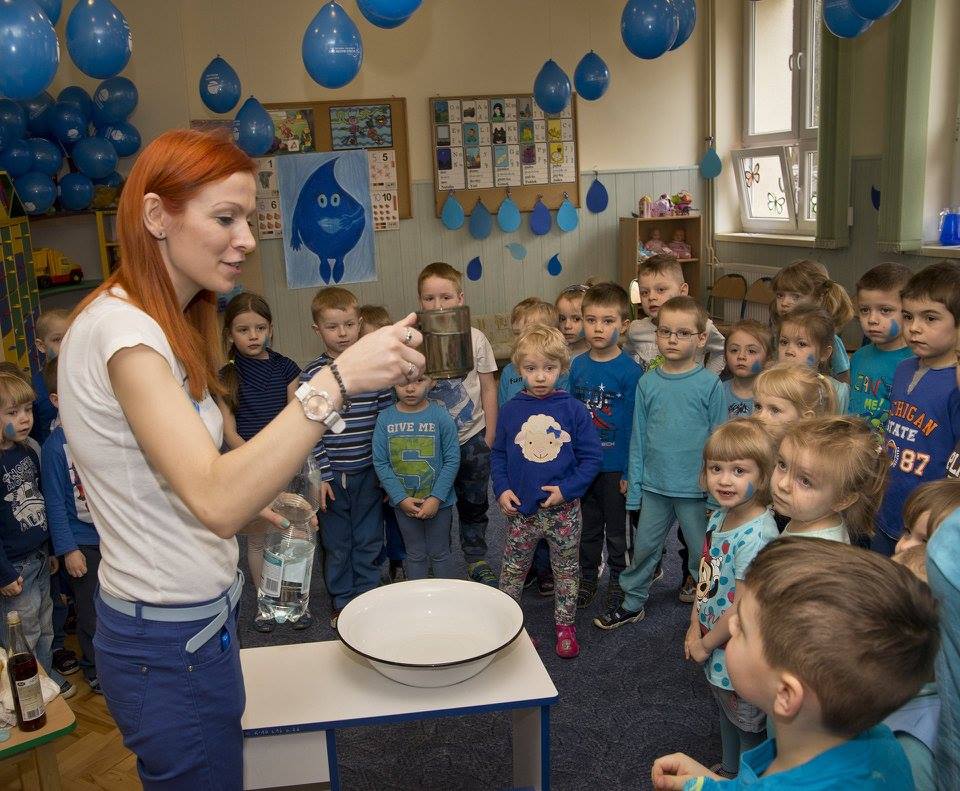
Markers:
{"x": 284, "y": 594}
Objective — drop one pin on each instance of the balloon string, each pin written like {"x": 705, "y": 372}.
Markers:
{"x": 550, "y": 27}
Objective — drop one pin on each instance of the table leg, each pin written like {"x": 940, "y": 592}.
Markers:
{"x": 47, "y": 768}
{"x": 332, "y": 764}
{"x": 531, "y": 748}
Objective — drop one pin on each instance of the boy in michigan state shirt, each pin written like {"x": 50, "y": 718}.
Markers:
{"x": 924, "y": 421}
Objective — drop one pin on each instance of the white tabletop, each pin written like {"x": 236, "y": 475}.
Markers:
{"x": 325, "y": 685}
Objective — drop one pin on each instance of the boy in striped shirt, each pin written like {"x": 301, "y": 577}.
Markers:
{"x": 350, "y": 495}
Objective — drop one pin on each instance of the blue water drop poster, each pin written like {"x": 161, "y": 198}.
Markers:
{"x": 327, "y": 219}
{"x": 475, "y": 268}
{"x": 554, "y": 267}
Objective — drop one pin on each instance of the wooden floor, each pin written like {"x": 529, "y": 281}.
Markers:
{"x": 92, "y": 757}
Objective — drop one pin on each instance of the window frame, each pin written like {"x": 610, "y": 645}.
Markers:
{"x": 788, "y": 225}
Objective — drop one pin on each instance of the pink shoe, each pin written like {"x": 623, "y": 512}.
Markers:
{"x": 567, "y": 645}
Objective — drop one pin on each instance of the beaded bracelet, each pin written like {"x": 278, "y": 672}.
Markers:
{"x": 345, "y": 406}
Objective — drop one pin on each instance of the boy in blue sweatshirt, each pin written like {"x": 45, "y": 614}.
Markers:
{"x": 545, "y": 454}
{"x": 416, "y": 454}
{"x": 605, "y": 380}
{"x": 72, "y": 532}
{"x": 25, "y": 562}
{"x": 678, "y": 405}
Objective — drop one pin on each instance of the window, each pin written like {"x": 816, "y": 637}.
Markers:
{"x": 777, "y": 174}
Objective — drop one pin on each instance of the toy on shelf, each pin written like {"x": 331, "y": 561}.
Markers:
{"x": 678, "y": 246}
{"x": 655, "y": 244}
{"x": 663, "y": 207}
{"x": 682, "y": 201}
{"x": 646, "y": 206}
{"x": 53, "y": 268}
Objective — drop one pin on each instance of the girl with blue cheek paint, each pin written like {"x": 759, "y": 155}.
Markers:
{"x": 738, "y": 462}
{"x": 806, "y": 338}
{"x": 747, "y": 349}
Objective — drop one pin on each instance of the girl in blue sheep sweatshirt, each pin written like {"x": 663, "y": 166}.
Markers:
{"x": 545, "y": 455}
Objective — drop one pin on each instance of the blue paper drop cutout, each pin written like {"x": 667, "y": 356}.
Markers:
{"x": 540, "y": 221}
{"x": 567, "y": 217}
{"x": 452, "y": 214}
{"x": 517, "y": 250}
{"x": 710, "y": 165}
{"x": 508, "y": 215}
{"x": 481, "y": 221}
{"x": 554, "y": 267}
{"x": 875, "y": 197}
{"x": 474, "y": 269}
{"x": 597, "y": 198}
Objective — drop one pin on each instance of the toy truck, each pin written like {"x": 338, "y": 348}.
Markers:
{"x": 53, "y": 268}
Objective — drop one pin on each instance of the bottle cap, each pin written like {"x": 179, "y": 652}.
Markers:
{"x": 13, "y": 617}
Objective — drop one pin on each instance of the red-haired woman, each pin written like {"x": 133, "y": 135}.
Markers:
{"x": 137, "y": 370}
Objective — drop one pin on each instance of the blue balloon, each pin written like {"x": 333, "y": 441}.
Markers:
{"x": 114, "y": 100}
{"x": 29, "y": 52}
{"x": 94, "y": 156}
{"x": 253, "y": 128}
{"x": 37, "y": 192}
{"x": 687, "y": 14}
{"x": 98, "y": 38}
{"x": 67, "y": 123}
{"x": 113, "y": 179}
{"x": 16, "y": 158}
{"x": 219, "y": 86}
{"x": 51, "y": 8}
{"x": 332, "y": 50}
{"x": 551, "y": 89}
{"x": 592, "y": 77}
{"x": 649, "y": 27}
{"x": 13, "y": 122}
{"x": 76, "y": 96}
{"x": 39, "y": 113}
{"x": 388, "y": 13}
{"x": 873, "y": 9}
{"x": 47, "y": 158}
{"x": 76, "y": 192}
{"x": 842, "y": 20}
{"x": 124, "y": 136}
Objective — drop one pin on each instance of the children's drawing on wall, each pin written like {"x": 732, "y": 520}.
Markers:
{"x": 524, "y": 107}
{"x": 328, "y": 222}
{"x": 443, "y": 135}
{"x": 441, "y": 112}
{"x": 364, "y": 126}
{"x": 497, "y": 110}
{"x": 292, "y": 131}
{"x": 473, "y": 158}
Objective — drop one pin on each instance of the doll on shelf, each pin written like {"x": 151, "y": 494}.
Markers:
{"x": 679, "y": 246}
{"x": 655, "y": 244}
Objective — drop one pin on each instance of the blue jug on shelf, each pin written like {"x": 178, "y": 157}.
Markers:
{"x": 949, "y": 227}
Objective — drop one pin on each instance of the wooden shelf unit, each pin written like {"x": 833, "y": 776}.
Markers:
{"x": 634, "y": 230}
{"x": 107, "y": 239}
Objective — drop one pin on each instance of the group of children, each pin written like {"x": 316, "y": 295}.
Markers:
{"x": 769, "y": 448}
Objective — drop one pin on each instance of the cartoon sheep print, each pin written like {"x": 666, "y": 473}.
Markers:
{"x": 540, "y": 438}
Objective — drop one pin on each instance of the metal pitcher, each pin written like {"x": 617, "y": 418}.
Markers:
{"x": 447, "y": 342}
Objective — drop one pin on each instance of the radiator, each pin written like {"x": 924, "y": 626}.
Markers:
{"x": 731, "y": 310}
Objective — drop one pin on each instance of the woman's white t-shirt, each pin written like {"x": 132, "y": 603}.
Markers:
{"x": 154, "y": 549}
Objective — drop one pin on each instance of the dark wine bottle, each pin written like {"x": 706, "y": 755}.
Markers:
{"x": 24, "y": 678}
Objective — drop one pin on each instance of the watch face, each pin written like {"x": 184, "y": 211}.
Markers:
{"x": 316, "y": 406}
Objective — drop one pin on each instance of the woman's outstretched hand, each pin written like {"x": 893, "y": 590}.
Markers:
{"x": 383, "y": 358}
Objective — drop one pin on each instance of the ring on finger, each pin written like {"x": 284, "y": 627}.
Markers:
{"x": 411, "y": 371}
{"x": 408, "y": 338}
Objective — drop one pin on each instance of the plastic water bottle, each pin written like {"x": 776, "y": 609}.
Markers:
{"x": 284, "y": 593}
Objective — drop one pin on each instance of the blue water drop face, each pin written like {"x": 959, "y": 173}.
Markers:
{"x": 756, "y": 368}
{"x": 540, "y": 221}
{"x": 508, "y": 215}
{"x": 710, "y": 165}
{"x": 481, "y": 221}
{"x": 474, "y": 269}
{"x": 9, "y": 431}
{"x": 894, "y": 329}
{"x": 567, "y": 218}
{"x": 517, "y": 250}
{"x": 750, "y": 491}
{"x": 597, "y": 198}
{"x": 554, "y": 267}
{"x": 811, "y": 361}
{"x": 452, "y": 215}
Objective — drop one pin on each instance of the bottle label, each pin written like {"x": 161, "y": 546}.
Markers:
{"x": 30, "y": 695}
{"x": 272, "y": 575}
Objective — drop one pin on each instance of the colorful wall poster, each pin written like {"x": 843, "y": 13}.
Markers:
{"x": 327, "y": 218}
{"x": 269, "y": 224}
{"x": 361, "y": 126}
{"x": 293, "y": 130}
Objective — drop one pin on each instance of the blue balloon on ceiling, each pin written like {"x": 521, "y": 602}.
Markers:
{"x": 687, "y": 14}
{"x": 29, "y": 52}
{"x": 47, "y": 158}
{"x": 76, "y": 192}
{"x": 592, "y": 77}
{"x": 842, "y": 20}
{"x": 51, "y": 8}
{"x": 13, "y": 122}
{"x": 94, "y": 156}
{"x": 388, "y": 13}
{"x": 98, "y": 38}
{"x": 331, "y": 49}
{"x": 219, "y": 86}
{"x": 253, "y": 128}
{"x": 39, "y": 113}
{"x": 79, "y": 98}
{"x": 124, "y": 136}
{"x": 114, "y": 100}
{"x": 113, "y": 179}
{"x": 597, "y": 197}
{"x": 67, "y": 123}
{"x": 37, "y": 192}
{"x": 874, "y": 9}
{"x": 16, "y": 158}
{"x": 551, "y": 89}
{"x": 649, "y": 27}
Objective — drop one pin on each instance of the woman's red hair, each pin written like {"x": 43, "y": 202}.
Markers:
{"x": 175, "y": 166}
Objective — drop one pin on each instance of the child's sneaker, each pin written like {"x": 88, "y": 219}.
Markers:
{"x": 67, "y": 690}
{"x": 614, "y": 594}
{"x": 658, "y": 572}
{"x": 545, "y": 586}
{"x": 567, "y": 645}
{"x": 95, "y": 687}
{"x": 481, "y": 572}
{"x": 65, "y": 662}
{"x": 587, "y": 593}
{"x": 614, "y": 619}
{"x": 688, "y": 591}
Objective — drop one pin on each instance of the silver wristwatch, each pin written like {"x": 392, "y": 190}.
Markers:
{"x": 317, "y": 405}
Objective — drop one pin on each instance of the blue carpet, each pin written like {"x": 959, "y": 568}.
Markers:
{"x": 629, "y": 697}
